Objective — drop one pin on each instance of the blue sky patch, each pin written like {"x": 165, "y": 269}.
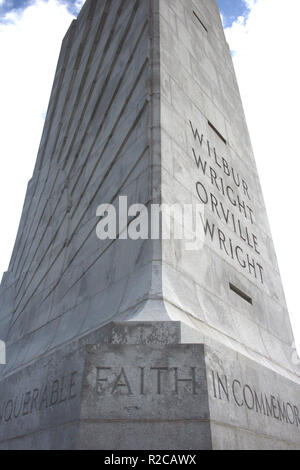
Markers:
{"x": 232, "y": 9}
{"x": 20, "y": 5}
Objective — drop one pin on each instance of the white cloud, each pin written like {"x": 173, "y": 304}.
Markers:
{"x": 79, "y": 4}
{"x": 29, "y": 48}
{"x": 267, "y": 64}
{"x": 250, "y": 3}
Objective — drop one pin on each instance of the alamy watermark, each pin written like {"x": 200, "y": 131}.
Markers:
{"x": 159, "y": 221}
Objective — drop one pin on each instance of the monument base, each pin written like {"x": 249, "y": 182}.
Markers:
{"x": 132, "y": 386}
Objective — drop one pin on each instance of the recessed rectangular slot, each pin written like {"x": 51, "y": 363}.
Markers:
{"x": 242, "y": 294}
{"x": 201, "y": 22}
{"x": 217, "y": 132}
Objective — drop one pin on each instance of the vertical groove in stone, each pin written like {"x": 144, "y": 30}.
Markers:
{"x": 95, "y": 146}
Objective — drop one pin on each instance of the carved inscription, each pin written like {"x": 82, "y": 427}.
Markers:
{"x": 226, "y": 194}
{"x": 143, "y": 381}
{"x": 245, "y": 395}
{"x": 38, "y": 399}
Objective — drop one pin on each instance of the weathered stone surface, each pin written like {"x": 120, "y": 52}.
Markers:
{"x": 48, "y": 395}
{"x": 138, "y": 396}
{"x": 250, "y": 405}
{"x": 145, "y": 104}
{"x": 64, "y": 281}
{"x": 207, "y": 158}
{"x": 138, "y": 388}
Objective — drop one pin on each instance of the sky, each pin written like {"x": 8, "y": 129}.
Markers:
{"x": 231, "y": 10}
{"x": 18, "y": 6}
{"x": 264, "y": 38}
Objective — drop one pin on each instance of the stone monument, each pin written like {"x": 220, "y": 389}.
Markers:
{"x": 146, "y": 343}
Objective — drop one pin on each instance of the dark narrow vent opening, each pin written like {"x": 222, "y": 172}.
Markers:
{"x": 201, "y": 22}
{"x": 242, "y": 294}
{"x": 217, "y": 132}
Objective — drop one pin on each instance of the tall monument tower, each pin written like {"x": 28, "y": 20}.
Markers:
{"x": 146, "y": 343}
